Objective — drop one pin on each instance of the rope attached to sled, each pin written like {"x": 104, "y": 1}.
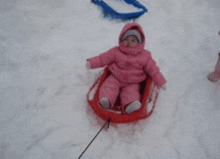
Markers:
{"x": 107, "y": 122}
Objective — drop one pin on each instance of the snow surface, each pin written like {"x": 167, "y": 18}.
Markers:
{"x": 43, "y": 81}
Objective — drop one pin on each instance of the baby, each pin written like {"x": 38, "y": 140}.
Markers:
{"x": 129, "y": 64}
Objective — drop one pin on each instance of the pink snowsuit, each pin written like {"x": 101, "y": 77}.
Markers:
{"x": 215, "y": 75}
{"x": 128, "y": 68}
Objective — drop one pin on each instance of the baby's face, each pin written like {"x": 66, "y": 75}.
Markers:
{"x": 130, "y": 41}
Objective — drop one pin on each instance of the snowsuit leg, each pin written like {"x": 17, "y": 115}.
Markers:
{"x": 110, "y": 89}
{"x": 215, "y": 75}
{"x": 129, "y": 93}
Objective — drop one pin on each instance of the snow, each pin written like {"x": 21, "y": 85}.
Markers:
{"x": 43, "y": 81}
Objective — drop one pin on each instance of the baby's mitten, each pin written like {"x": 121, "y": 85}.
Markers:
{"x": 88, "y": 65}
{"x": 164, "y": 87}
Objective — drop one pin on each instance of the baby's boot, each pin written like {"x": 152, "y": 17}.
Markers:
{"x": 132, "y": 107}
{"x": 104, "y": 102}
{"x": 215, "y": 75}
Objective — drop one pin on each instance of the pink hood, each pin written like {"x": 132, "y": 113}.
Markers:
{"x": 140, "y": 46}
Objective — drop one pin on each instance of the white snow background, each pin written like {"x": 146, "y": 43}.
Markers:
{"x": 43, "y": 81}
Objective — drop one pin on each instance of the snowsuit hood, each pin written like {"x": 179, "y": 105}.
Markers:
{"x": 139, "y": 47}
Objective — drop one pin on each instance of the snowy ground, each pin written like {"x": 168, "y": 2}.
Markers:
{"x": 43, "y": 82}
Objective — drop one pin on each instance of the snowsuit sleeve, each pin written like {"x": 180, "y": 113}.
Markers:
{"x": 103, "y": 59}
{"x": 154, "y": 72}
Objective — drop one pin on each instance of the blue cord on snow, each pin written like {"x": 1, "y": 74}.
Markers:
{"x": 109, "y": 11}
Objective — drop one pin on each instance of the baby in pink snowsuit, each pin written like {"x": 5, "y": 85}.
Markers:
{"x": 215, "y": 75}
{"x": 129, "y": 65}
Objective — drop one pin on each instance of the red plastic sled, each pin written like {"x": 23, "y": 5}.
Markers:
{"x": 149, "y": 97}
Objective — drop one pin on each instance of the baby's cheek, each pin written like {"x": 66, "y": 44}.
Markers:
{"x": 134, "y": 45}
{"x": 124, "y": 42}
